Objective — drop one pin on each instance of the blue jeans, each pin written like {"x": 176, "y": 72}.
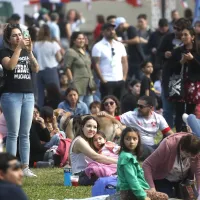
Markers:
{"x": 44, "y": 77}
{"x": 18, "y": 111}
{"x": 168, "y": 110}
{"x": 55, "y": 140}
{"x": 194, "y": 124}
{"x": 88, "y": 99}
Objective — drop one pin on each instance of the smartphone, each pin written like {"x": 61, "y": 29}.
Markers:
{"x": 26, "y": 34}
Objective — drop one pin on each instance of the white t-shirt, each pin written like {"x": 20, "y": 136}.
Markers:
{"x": 46, "y": 54}
{"x": 110, "y": 59}
{"x": 148, "y": 127}
{"x": 175, "y": 174}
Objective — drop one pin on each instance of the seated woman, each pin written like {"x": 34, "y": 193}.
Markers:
{"x": 80, "y": 149}
{"x": 72, "y": 103}
{"x": 162, "y": 169}
{"x": 42, "y": 136}
{"x": 110, "y": 104}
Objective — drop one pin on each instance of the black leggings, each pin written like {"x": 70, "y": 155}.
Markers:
{"x": 180, "y": 109}
{"x": 85, "y": 180}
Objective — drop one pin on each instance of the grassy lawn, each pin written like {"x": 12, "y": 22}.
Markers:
{"x": 50, "y": 185}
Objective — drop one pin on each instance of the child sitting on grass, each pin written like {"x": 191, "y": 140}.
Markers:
{"x": 131, "y": 182}
{"x": 104, "y": 147}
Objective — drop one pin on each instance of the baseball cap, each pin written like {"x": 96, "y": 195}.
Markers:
{"x": 118, "y": 21}
{"x": 15, "y": 16}
{"x": 107, "y": 25}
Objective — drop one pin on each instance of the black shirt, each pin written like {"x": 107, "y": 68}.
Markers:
{"x": 134, "y": 50}
{"x": 10, "y": 191}
{"x": 147, "y": 84}
{"x": 17, "y": 80}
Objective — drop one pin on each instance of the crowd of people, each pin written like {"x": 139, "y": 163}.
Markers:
{"x": 58, "y": 84}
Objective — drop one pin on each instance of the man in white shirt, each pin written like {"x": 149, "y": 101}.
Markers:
{"x": 147, "y": 122}
{"x": 110, "y": 62}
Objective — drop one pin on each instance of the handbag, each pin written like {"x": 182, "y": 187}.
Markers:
{"x": 92, "y": 85}
{"x": 176, "y": 84}
{"x": 187, "y": 188}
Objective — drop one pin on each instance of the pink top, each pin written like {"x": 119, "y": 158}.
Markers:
{"x": 159, "y": 164}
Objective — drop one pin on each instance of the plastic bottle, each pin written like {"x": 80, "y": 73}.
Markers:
{"x": 43, "y": 164}
{"x": 67, "y": 176}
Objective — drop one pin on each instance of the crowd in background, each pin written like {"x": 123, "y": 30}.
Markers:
{"x": 126, "y": 72}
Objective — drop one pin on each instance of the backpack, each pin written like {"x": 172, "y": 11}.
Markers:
{"x": 63, "y": 151}
{"x": 105, "y": 186}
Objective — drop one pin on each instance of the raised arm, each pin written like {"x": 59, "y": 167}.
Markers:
{"x": 83, "y": 147}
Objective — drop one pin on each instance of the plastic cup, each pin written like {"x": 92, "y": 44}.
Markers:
{"x": 74, "y": 180}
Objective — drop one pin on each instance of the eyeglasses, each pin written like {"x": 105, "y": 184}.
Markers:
{"x": 113, "y": 51}
{"x": 16, "y": 166}
{"x": 109, "y": 103}
{"x": 176, "y": 28}
{"x": 141, "y": 106}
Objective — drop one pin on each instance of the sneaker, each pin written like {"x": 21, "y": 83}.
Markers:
{"x": 28, "y": 173}
{"x": 184, "y": 117}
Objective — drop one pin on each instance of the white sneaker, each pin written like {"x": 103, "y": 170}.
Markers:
{"x": 184, "y": 117}
{"x": 28, "y": 173}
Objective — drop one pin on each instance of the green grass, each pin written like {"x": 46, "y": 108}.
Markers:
{"x": 50, "y": 185}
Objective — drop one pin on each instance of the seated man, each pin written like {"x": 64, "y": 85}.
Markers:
{"x": 10, "y": 178}
{"x": 147, "y": 122}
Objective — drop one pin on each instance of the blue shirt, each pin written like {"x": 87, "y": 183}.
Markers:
{"x": 81, "y": 108}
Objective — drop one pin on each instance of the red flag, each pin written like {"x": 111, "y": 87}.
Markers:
{"x": 135, "y": 3}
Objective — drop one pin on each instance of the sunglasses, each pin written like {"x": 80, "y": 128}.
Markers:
{"x": 113, "y": 51}
{"x": 14, "y": 167}
{"x": 109, "y": 103}
{"x": 141, "y": 106}
{"x": 176, "y": 28}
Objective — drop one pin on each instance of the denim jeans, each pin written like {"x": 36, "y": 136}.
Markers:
{"x": 88, "y": 99}
{"x": 194, "y": 124}
{"x": 168, "y": 110}
{"x": 18, "y": 112}
{"x": 44, "y": 77}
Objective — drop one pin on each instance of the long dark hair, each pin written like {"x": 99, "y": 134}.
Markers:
{"x": 44, "y": 33}
{"x": 123, "y": 146}
{"x": 102, "y": 134}
{"x": 78, "y": 126}
{"x": 117, "y": 111}
{"x": 190, "y": 144}
{"x": 74, "y": 37}
{"x": 8, "y": 31}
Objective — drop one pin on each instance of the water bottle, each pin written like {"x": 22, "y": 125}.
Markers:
{"x": 43, "y": 164}
{"x": 67, "y": 176}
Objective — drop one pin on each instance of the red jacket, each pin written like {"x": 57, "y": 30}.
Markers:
{"x": 160, "y": 162}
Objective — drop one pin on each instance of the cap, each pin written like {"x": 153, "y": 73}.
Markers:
{"x": 15, "y": 16}
{"x": 107, "y": 25}
{"x": 43, "y": 11}
{"x": 118, "y": 21}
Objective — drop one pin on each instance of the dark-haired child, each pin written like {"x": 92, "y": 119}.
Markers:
{"x": 147, "y": 86}
{"x": 95, "y": 107}
{"x": 104, "y": 147}
{"x": 131, "y": 181}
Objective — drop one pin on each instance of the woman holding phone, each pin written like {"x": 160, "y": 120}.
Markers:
{"x": 17, "y": 97}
